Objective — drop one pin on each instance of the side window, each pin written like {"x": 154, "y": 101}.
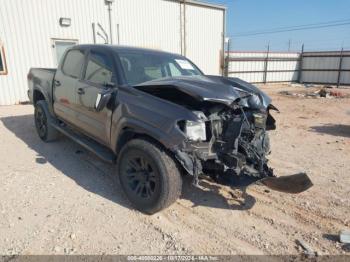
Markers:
{"x": 3, "y": 69}
{"x": 174, "y": 71}
{"x": 73, "y": 63}
{"x": 99, "y": 69}
{"x": 154, "y": 72}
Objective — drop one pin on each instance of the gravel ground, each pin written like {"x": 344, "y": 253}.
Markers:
{"x": 57, "y": 198}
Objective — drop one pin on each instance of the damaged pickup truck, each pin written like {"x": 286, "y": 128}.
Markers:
{"x": 157, "y": 116}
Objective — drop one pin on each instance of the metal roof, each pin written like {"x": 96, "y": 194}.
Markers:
{"x": 205, "y": 4}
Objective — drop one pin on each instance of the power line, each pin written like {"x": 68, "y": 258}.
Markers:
{"x": 296, "y": 28}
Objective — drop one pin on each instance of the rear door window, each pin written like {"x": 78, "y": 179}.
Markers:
{"x": 73, "y": 63}
{"x": 99, "y": 69}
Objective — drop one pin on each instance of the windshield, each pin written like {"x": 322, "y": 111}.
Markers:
{"x": 143, "y": 67}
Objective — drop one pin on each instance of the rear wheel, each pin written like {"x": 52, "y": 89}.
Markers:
{"x": 148, "y": 176}
{"x": 43, "y": 120}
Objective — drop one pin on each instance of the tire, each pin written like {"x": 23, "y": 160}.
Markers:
{"x": 43, "y": 121}
{"x": 149, "y": 176}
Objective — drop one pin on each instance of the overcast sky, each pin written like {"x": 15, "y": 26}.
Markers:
{"x": 255, "y": 15}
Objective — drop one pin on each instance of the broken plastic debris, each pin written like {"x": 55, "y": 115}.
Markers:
{"x": 308, "y": 250}
{"x": 293, "y": 184}
{"x": 345, "y": 236}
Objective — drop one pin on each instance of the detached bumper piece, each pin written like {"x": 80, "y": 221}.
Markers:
{"x": 293, "y": 184}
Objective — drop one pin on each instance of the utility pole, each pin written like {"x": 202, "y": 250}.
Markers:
{"x": 300, "y": 75}
{"x": 109, "y": 3}
{"x": 340, "y": 67}
{"x": 266, "y": 63}
{"x": 289, "y": 44}
{"x": 227, "y": 62}
{"x": 185, "y": 20}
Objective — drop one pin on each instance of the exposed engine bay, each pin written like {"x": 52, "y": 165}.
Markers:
{"x": 237, "y": 142}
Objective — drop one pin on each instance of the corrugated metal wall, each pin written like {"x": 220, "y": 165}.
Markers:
{"x": 306, "y": 67}
{"x": 251, "y": 66}
{"x": 27, "y": 30}
{"x": 201, "y": 25}
{"x": 324, "y": 67}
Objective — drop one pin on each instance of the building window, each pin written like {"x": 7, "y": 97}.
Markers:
{"x": 3, "y": 68}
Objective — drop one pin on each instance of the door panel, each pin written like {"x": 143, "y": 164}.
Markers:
{"x": 99, "y": 70}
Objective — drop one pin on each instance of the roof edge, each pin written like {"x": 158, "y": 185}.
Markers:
{"x": 205, "y": 4}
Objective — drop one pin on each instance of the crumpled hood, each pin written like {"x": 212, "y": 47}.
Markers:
{"x": 215, "y": 89}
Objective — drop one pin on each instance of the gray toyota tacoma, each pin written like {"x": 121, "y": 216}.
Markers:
{"x": 157, "y": 117}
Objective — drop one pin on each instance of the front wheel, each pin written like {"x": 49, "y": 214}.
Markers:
{"x": 149, "y": 176}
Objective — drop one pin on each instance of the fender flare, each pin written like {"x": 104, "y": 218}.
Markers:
{"x": 139, "y": 128}
{"x": 46, "y": 96}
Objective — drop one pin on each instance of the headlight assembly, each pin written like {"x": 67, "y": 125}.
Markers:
{"x": 195, "y": 131}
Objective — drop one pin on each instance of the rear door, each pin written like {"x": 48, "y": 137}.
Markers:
{"x": 65, "y": 82}
{"x": 99, "y": 71}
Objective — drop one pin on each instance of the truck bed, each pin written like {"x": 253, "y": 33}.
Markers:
{"x": 40, "y": 79}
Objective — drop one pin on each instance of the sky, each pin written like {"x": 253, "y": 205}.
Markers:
{"x": 255, "y": 15}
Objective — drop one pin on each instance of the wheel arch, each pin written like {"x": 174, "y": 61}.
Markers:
{"x": 40, "y": 94}
{"x": 129, "y": 133}
{"x": 37, "y": 96}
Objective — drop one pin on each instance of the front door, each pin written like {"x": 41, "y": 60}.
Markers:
{"x": 98, "y": 72}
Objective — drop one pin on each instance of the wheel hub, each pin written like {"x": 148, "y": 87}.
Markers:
{"x": 141, "y": 177}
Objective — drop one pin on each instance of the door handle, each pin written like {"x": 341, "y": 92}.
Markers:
{"x": 57, "y": 83}
{"x": 81, "y": 91}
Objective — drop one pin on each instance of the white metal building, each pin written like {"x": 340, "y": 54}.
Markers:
{"x": 35, "y": 33}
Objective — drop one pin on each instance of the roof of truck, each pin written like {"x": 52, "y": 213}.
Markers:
{"x": 120, "y": 48}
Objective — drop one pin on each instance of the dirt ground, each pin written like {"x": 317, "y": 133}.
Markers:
{"x": 57, "y": 198}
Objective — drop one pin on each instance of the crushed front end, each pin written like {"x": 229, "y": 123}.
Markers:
{"x": 236, "y": 143}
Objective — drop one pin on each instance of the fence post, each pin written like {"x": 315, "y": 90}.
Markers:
{"x": 300, "y": 75}
{"x": 227, "y": 62}
{"x": 266, "y": 63}
{"x": 340, "y": 66}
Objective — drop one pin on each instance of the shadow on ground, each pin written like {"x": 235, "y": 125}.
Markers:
{"x": 100, "y": 180}
{"x": 331, "y": 129}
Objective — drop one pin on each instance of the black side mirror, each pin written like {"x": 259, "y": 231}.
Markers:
{"x": 109, "y": 84}
{"x": 103, "y": 98}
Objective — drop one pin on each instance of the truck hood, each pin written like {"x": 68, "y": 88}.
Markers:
{"x": 217, "y": 89}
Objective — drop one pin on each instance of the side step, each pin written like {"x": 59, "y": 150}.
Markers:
{"x": 102, "y": 152}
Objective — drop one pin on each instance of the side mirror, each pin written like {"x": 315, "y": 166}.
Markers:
{"x": 102, "y": 99}
{"x": 109, "y": 84}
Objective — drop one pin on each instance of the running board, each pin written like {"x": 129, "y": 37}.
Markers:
{"x": 100, "y": 151}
